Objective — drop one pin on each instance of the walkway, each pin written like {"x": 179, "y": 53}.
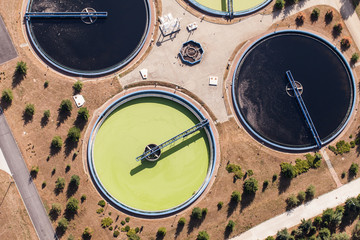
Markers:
{"x": 24, "y": 183}
{"x": 7, "y": 49}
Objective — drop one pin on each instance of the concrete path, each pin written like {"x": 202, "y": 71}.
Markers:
{"x": 24, "y": 183}
{"x": 309, "y": 210}
{"x": 331, "y": 168}
{"x": 7, "y": 49}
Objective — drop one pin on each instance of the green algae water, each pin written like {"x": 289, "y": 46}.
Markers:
{"x": 150, "y": 186}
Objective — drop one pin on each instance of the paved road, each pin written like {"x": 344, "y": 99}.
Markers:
{"x": 24, "y": 183}
{"x": 7, "y": 50}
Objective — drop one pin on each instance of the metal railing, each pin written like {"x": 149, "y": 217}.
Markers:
{"x": 29, "y": 15}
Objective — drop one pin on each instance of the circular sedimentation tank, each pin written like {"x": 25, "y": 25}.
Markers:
{"x": 153, "y": 188}
{"x": 266, "y": 104}
{"x": 89, "y": 46}
{"x": 221, "y": 7}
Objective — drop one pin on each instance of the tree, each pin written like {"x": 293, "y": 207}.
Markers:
{"x": 106, "y": 222}
{"x": 203, "y": 235}
{"x": 60, "y": 184}
{"x": 327, "y": 217}
{"x": 21, "y": 68}
{"x": 236, "y": 196}
{"x": 283, "y": 235}
{"x": 161, "y": 232}
{"x": 57, "y": 142}
{"x": 55, "y": 210}
{"x": 230, "y": 226}
{"x": 74, "y": 134}
{"x": 30, "y": 110}
{"x": 288, "y": 170}
{"x": 279, "y": 4}
{"x": 87, "y": 232}
{"x": 345, "y": 42}
{"x": 63, "y": 224}
{"x": 301, "y": 196}
{"x": 354, "y": 58}
{"x": 251, "y": 186}
{"x": 78, "y": 86}
{"x": 196, "y": 213}
{"x": 7, "y": 95}
{"x": 101, "y": 203}
{"x": 324, "y": 234}
{"x": 83, "y": 113}
{"x": 354, "y": 169}
{"x": 305, "y": 226}
{"x": 315, "y": 14}
{"x": 329, "y": 16}
{"x": 75, "y": 180}
{"x": 47, "y": 114}
{"x": 65, "y": 105}
{"x": 292, "y": 201}
{"x": 72, "y": 205}
{"x": 182, "y": 221}
{"x": 338, "y": 28}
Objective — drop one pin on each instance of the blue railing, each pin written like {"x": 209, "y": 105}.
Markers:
{"x": 185, "y": 133}
{"x": 230, "y": 8}
{"x": 29, "y": 15}
{"x": 304, "y": 109}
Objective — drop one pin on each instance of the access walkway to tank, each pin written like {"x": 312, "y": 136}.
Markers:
{"x": 7, "y": 49}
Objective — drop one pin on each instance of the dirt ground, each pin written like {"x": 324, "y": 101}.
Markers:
{"x": 13, "y": 213}
{"x": 236, "y": 145}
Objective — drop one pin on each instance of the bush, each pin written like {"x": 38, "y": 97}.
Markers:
{"x": 106, "y": 222}
{"x": 75, "y": 180}
{"x": 127, "y": 228}
{"x": 55, "y": 210}
{"x": 283, "y": 234}
{"x": 127, "y": 219}
{"x": 324, "y": 234}
{"x": 60, "y": 184}
{"x": 279, "y": 4}
{"x": 7, "y": 95}
{"x": 250, "y": 186}
{"x": 340, "y": 236}
{"x": 63, "y": 224}
{"x": 65, "y": 105}
{"x": 34, "y": 171}
{"x": 87, "y": 232}
{"x": 123, "y": 222}
{"x": 356, "y": 231}
{"x": 47, "y": 114}
{"x": 83, "y": 113}
{"x": 345, "y": 43}
{"x": 235, "y": 196}
{"x": 288, "y": 170}
{"x": 161, "y": 232}
{"x": 116, "y": 233}
{"x": 314, "y": 161}
{"x": 301, "y": 196}
{"x": 138, "y": 229}
{"x": 338, "y": 28}
{"x": 203, "y": 235}
{"x": 354, "y": 169}
{"x": 83, "y": 198}
{"x": 230, "y": 226}
{"x": 236, "y": 169}
{"x": 250, "y": 172}
{"x": 329, "y": 15}
{"x": 354, "y": 58}
{"x": 220, "y": 205}
{"x": 21, "y": 68}
{"x": 74, "y": 134}
{"x": 310, "y": 192}
{"x": 292, "y": 201}
{"x": 196, "y": 213}
{"x": 182, "y": 221}
{"x": 57, "y": 142}
{"x": 315, "y": 14}
{"x": 72, "y": 205}
{"x": 30, "y": 110}
{"x": 101, "y": 203}
{"x": 78, "y": 86}
{"x": 100, "y": 210}
{"x": 300, "y": 18}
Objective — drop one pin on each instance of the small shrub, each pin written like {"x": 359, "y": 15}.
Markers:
{"x": 274, "y": 177}
{"x": 127, "y": 228}
{"x": 55, "y": 210}
{"x": 343, "y": 175}
{"x": 60, "y": 184}
{"x": 53, "y": 171}
{"x": 116, "y": 233}
{"x": 30, "y": 110}
{"x": 354, "y": 169}
{"x": 196, "y": 213}
{"x": 63, "y": 224}
{"x": 127, "y": 219}
{"x": 101, "y": 203}
{"x": 352, "y": 144}
{"x": 310, "y": 192}
{"x": 279, "y": 4}
{"x": 301, "y": 196}
{"x": 182, "y": 221}
{"x": 341, "y": 147}
{"x": 161, "y": 232}
{"x": 236, "y": 169}
{"x": 250, "y": 172}
{"x": 236, "y": 196}
{"x": 354, "y": 58}
{"x": 220, "y": 205}
{"x": 46, "y": 84}
{"x": 203, "y": 235}
{"x": 250, "y": 186}
{"x": 34, "y": 171}
{"x": 7, "y": 95}
{"x": 230, "y": 226}
{"x": 106, "y": 222}
{"x": 47, "y": 114}
{"x": 338, "y": 28}
{"x": 83, "y": 198}
{"x": 87, "y": 232}
{"x": 315, "y": 14}
{"x": 138, "y": 229}
{"x": 57, "y": 142}
{"x": 74, "y": 134}
{"x": 123, "y": 222}
{"x": 72, "y": 205}
{"x": 21, "y": 68}
{"x": 100, "y": 210}
{"x": 345, "y": 43}
{"x": 292, "y": 201}
{"x": 83, "y": 113}
{"x": 340, "y": 236}
{"x": 78, "y": 86}
{"x": 65, "y": 105}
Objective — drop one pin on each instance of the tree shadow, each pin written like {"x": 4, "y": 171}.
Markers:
{"x": 284, "y": 184}
{"x": 347, "y": 219}
{"x": 289, "y": 6}
{"x": 69, "y": 146}
{"x": 44, "y": 121}
{"x": 347, "y": 8}
{"x": 179, "y": 229}
{"x": 276, "y": 12}
{"x": 59, "y": 231}
{"x": 57, "y": 191}
{"x": 54, "y": 150}
{"x": 335, "y": 33}
{"x": 350, "y": 175}
{"x": 227, "y": 232}
{"x": 71, "y": 190}
{"x": 53, "y": 215}
{"x": 17, "y": 79}
{"x": 159, "y": 236}
{"x": 246, "y": 200}
{"x": 5, "y": 104}
{"x": 232, "y": 206}
{"x": 69, "y": 215}
{"x": 193, "y": 223}
{"x": 62, "y": 116}
{"x": 86, "y": 237}
{"x": 80, "y": 122}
